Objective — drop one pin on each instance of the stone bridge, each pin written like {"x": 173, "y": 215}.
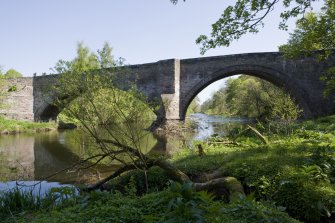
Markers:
{"x": 174, "y": 83}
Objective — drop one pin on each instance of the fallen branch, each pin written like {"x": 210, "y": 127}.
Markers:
{"x": 224, "y": 143}
{"x": 221, "y": 186}
{"x": 117, "y": 173}
{"x": 218, "y": 186}
{"x": 254, "y": 130}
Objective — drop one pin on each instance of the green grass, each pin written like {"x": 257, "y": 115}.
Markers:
{"x": 324, "y": 124}
{"x": 177, "y": 204}
{"x": 9, "y": 126}
{"x": 295, "y": 171}
{"x": 17, "y": 202}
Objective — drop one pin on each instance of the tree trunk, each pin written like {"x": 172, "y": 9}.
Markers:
{"x": 218, "y": 186}
{"x": 222, "y": 186}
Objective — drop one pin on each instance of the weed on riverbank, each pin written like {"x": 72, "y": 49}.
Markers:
{"x": 10, "y": 126}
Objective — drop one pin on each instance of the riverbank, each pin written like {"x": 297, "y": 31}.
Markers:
{"x": 292, "y": 174}
{"x": 10, "y": 126}
{"x": 294, "y": 171}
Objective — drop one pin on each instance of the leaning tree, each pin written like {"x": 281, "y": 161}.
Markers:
{"x": 114, "y": 121}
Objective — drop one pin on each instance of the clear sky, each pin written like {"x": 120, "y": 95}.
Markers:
{"x": 35, "y": 34}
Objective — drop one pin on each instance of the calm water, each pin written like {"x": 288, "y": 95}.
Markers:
{"x": 35, "y": 157}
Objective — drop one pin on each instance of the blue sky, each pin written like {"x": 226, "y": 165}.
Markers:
{"x": 35, "y": 34}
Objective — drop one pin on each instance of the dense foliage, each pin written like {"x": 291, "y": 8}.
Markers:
{"x": 315, "y": 32}
{"x": 11, "y": 73}
{"x": 252, "y": 97}
{"x": 296, "y": 171}
{"x": 194, "y": 107}
{"x": 178, "y": 203}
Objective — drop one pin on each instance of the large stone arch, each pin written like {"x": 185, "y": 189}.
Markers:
{"x": 269, "y": 74}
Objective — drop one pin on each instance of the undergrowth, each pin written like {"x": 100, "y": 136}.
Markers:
{"x": 10, "y": 126}
{"x": 296, "y": 171}
{"x": 179, "y": 203}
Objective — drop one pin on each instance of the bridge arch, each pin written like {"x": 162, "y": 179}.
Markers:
{"x": 271, "y": 75}
{"x": 47, "y": 110}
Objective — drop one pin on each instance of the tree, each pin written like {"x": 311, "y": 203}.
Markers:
{"x": 194, "y": 107}
{"x": 247, "y": 16}
{"x": 11, "y": 73}
{"x": 315, "y": 32}
{"x": 2, "y": 88}
{"x": 114, "y": 125}
{"x": 252, "y": 97}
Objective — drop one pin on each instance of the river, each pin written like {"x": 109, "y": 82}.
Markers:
{"x": 31, "y": 158}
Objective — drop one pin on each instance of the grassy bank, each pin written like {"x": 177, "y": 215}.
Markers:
{"x": 291, "y": 175}
{"x": 296, "y": 171}
{"x": 9, "y": 126}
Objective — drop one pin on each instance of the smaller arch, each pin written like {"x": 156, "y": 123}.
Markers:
{"x": 47, "y": 110}
{"x": 271, "y": 75}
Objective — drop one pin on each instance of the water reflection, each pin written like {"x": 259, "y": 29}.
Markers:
{"x": 37, "y": 156}
{"x": 17, "y": 157}
{"x": 37, "y": 187}
{"x": 209, "y": 125}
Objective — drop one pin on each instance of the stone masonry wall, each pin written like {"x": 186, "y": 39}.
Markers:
{"x": 18, "y": 102}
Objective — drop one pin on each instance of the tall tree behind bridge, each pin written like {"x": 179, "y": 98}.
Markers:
{"x": 252, "y": 97}
{"x": 315, "y": 32}
{"x": 11, "y": 73}
{"x": 2, "y": 85}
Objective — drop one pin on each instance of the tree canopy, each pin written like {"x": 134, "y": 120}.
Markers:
{"x": 252, "y": 97}
{"x": 11, "y": 73}
{"x": 315, "y": 32}
{"x": 247, "y": 16}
